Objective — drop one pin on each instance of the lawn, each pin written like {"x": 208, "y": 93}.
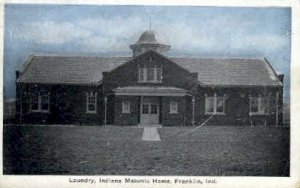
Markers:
{"x": 115, "y": 150}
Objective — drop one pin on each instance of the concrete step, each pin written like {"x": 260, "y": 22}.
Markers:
{"x": 150, "y": 134}
{"x": 150, "y": 125}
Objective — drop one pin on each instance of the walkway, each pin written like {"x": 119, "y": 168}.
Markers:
{"x": 150, "y": 134}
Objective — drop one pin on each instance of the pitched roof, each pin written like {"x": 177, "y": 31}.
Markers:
{"x": 231, "y": 72}
{"x": 88, "y": 70}
{"x": 68, "y": 69}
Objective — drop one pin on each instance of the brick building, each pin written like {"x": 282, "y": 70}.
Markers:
{"x": 148, "y": 88}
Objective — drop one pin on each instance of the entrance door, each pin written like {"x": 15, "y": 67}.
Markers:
{"x": 150, "y": 110}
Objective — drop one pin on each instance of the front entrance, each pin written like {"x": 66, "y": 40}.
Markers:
{"x": 149, "y": 110}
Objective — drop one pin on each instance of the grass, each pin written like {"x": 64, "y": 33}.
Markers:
{"x": 114, "y": 150}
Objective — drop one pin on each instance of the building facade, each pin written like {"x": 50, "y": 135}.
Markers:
{"x": 148, "y": 88}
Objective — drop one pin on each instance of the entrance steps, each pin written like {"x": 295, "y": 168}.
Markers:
{"x": 150, "y": 134}
{"x": 150, "y": 125}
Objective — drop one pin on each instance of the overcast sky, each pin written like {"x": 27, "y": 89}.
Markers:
{"x": 109, "y": 30}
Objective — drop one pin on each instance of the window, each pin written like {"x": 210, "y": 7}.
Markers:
{"x": 126, "y": 107}
{"x": 44, "y": 106}
{"x": 150, "y": 74}
{"x": 91, "y": 102}
{"x": 141, "y": 74}
{"x": 149, "y": 108}
{"x": 154, "y": 109}
{"x": 220, "y": 105}
{"x": 34, "y": 104}
{"x": 258, "y": 105}
{"x": 215, "y": 104}
{"x": 173, "y": 107}
{"x": 40, "y": 102}
{"x": 209, "y": 104}
{"x": 158, "y": 75}
{"x": 153, "y": 74}
{"x": 145, "y": 109}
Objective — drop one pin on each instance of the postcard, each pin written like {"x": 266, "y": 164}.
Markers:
{"x": 148, "y": 94}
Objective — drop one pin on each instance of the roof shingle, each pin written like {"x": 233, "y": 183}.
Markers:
{"x": 69, "y": 69}
{"x": 88, "y": 70}
{"x": 231, "y": 72}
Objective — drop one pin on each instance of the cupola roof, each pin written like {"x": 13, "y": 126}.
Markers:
{"x": 147, "y": 37}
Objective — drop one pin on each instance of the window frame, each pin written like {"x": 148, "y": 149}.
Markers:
{"x": 214, "y": 99}
{"x": 145, "y": 108}
{"x": 144, "y": 72}
{"x": 126, "y": 107}
{"x": 173, "y": 107}
{"x": 88, "y": 96}
{"x": 262, "y": 103}
{"x": 154, "y": 109}
{"x": 39, "y": 101}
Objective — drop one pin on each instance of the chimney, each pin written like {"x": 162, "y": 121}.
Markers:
{"x": 195, "y": 76}
{"x": 280, "y": 76}
{"x": 17, "y": 74}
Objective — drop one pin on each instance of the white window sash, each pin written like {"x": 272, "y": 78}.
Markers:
{"x": 88, "y": 95}
{"x": 39, "y": 102}
{"x": 159, "y": 77}
{"x": 144, "y": 75}
{"x": 141, "y": 74}
{"x": 146, "y": 70}
{"x": 260, "y": 111}
{"x": 215, "y": 105}
{"x": 173, "y": 107}
{"x": 126, "y": 107}
{"x": 262, "y": 105}
{"x": 208, "y": 104}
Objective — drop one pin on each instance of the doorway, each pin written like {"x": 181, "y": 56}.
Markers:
{"x": 149, "y": 110}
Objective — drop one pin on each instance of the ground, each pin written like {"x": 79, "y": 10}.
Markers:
{"x": 115, "y": 150}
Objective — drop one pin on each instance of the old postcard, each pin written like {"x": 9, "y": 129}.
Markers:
{"x": 144, "y": 94}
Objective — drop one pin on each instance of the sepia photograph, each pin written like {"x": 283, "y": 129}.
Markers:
{"x": 144, "y": 90}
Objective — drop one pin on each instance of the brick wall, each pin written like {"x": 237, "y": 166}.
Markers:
{"x": 127, "y": 74}
{"x": 169, "y": 119}
{"x": 67, "y": 105}
{"x": 126, "y": 118}
{"x": 237, "y": 106}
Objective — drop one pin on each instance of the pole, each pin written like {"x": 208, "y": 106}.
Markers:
{"x": 277, "y": 98}
{"x": 21, "y": 105}
{"x": 193, "y": 111}
{"x": 105, "y": 110}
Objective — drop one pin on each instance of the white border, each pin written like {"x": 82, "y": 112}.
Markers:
{"x": 13, "y": 181}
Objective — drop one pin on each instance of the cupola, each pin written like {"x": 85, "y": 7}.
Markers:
{"x": 146, "y": 42}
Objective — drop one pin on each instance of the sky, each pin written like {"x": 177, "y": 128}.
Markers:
{"x": 109, "y": 30}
